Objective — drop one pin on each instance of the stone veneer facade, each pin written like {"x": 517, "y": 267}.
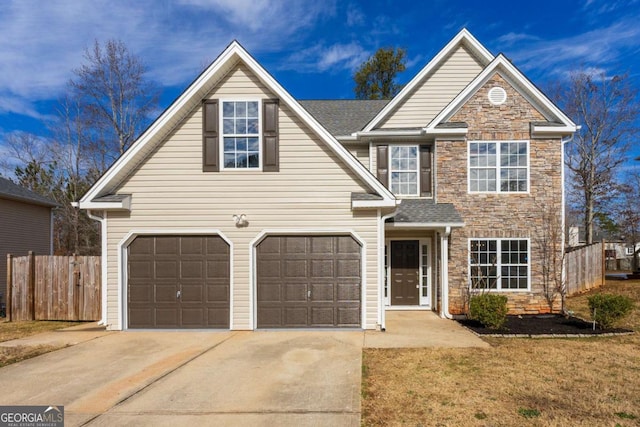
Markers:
{"x": 506, "y": 215}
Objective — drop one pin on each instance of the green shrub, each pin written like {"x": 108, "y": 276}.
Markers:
{"x": 609, "y": 308}
{"x": 489, "y": 309}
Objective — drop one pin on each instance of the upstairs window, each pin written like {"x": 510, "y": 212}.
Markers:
{"x": 498, "y": 166}
{"x": 404, "y": 170}
{"x": 241, "y": 134}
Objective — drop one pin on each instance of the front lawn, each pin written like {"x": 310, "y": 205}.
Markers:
{"x": 518, "y": 381}
{"x": 14, "y": 330}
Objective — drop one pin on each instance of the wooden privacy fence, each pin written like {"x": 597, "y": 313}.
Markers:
{"x": 584, "y": 268}
{"x": 51, "y": 287}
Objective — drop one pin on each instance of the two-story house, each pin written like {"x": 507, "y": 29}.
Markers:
{"x": 241, "y": 207}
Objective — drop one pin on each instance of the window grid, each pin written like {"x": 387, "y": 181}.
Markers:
{"x": 501, "y": 264}
{"x": 425, "y": 271}
{"x": 404, "y": 170}
{"x": 487, "y": 174}
{"x": 241, "y": 135}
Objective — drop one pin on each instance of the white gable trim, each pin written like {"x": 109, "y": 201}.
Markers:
{"x": 158, "y": 130}
{"x": 462, "y": 36}
{"x": 504, "y": 67}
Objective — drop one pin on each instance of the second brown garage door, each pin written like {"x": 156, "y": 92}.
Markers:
{"x": 178, "y": 282}
{"x": 308, "y": 282}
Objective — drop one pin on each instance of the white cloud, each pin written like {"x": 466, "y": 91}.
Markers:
{"x": 320, "y": 58}
{"x": 597, "y": 48}
{"x": 355, "y": 16}
{"x": 44, "y": 40}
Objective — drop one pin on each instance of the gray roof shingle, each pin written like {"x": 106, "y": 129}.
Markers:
{"x": 9, "y": 190}
{"x": 365, "y": 196}
{"x": 344, "y": 116}
{"x": 111, "y": 198}
{"x": 426, "y": 211}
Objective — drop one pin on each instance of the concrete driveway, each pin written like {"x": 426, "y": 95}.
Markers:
{"x": 272, "y": 378}
{"x": 198, "y": 378}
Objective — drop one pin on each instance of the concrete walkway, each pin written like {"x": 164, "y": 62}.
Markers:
{"x": 284, "y": 378}
{"x": 420, "y": 329}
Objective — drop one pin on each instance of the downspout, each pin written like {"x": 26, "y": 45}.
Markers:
{"x": 103, "y": 282}
{"x": 444, "y": 255}
{"x": 382, "y": 276}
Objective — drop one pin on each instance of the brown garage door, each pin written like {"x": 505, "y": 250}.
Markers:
{"x": 308, "y": 281}
{"x": 178, "y": 282}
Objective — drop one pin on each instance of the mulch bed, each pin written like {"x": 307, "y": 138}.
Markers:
{"x": 541, "y": 325}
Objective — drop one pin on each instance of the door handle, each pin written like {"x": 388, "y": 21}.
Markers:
{"x": 178, "y": 294}
{"x": 308, "y": 294}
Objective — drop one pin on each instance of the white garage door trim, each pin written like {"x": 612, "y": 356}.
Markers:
{"x": 253, "y": 313}
{"x": 122, "y": 264}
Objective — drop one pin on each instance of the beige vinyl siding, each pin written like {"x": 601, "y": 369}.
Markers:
{"x": 360, "y": 152}
{"x": 24, "y": 227}
{"x": 310, "y": 193}
{"x": 436, "y": 91}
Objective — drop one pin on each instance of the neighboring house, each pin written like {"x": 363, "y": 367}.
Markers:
{"x": 619, "y": 255}
{"x": 26, "y": 224}
{"x": 241, "y": 207}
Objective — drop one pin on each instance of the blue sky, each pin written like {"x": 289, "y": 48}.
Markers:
{"x": 311, "y": 47}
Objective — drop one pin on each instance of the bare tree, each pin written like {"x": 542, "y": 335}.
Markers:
{"x": 606, "y": 108}
{"x": 628, "y": 215}
{"x": 548, "y": 239}
{"x": 116, "y": 98}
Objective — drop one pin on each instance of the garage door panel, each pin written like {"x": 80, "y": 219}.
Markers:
{"x": 167, "y": 245}
{"x": 295, "y": 268}
{"x": 322, "y": 292}
{"x": 296, "y": 316}
{"x": 192, "y": 269}
{"x": 348, "y": 293}
{"x": 178, "y": 282}
{"x": 167, "y": 269}
{"x": 294, "y": 292}
{"x": 294, "y": 245}
{"x": 316, "y": 282}
{"x": 322, "y": 268}
{"x": 349, "y": 317}
{"x": 140, "y": 269}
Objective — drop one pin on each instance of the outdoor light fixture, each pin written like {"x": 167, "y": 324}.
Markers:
{"x": 241, "y": 220}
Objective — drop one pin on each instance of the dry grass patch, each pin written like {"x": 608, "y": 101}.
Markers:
{"x": 536, "y": 382}
{"x": 9, "y": 355}
{"x": 13, "y": 330}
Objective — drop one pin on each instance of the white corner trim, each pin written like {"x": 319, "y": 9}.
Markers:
{"x": 463, "y": 36}
{"x": 122, "y": 263}
{"x": 253, "y": 244}
{"x": 512, "y": 72}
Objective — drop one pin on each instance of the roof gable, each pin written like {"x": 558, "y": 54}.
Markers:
{"x": 463, "y": 38}
{"x": 190, "y": 99}
{"x": 520, "y": 83}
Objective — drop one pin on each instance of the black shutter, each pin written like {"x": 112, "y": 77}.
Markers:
{"x": 270, "y": 154}
{"x": 426, "y": 176}
{"x": 383, "y": 164}
{"x": 210, "y": 139}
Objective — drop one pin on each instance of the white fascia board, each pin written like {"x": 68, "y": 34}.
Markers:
{"x": 511, "y": 73}
{"x": 123, "y": 205}
{"x": 446, "y": 131}
{"x": 463, "y": 36}
{"x": 365, "y": 204}
{"x": 236, "y": 50}
{"x": 425, "y": 224}
{"x": 553, "y": 130}
{"x": 388, "y": 133}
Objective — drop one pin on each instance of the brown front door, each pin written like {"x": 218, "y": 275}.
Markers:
{"x": 405, "y": 279}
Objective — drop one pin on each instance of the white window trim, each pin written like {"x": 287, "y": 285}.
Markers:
{"x": 499, "y": 264}
{"x": 498, "y": 191}
{"x": 222, "y": 134}
{"x": 391, "y": 170}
